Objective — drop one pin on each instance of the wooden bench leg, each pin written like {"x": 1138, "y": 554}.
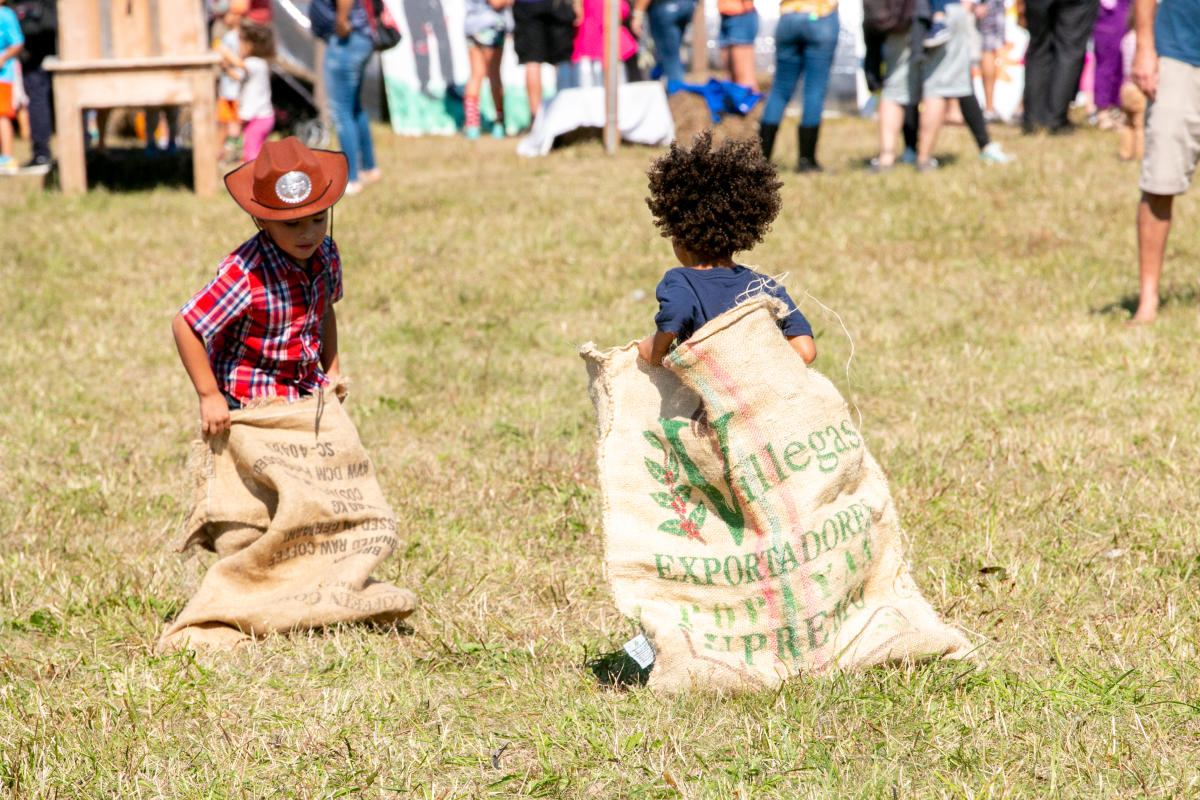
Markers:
{"x": 72, "y": 164}
{"x": 204, "y": 135}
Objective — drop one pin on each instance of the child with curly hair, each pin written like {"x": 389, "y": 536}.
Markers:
{"x": 712, "y": 203}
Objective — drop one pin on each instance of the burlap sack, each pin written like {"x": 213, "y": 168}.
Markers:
{"x": 289, "y": 502}
{"x": 745, "y": 524}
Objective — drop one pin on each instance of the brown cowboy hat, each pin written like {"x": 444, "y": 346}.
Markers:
{"x": 288, "y": 181}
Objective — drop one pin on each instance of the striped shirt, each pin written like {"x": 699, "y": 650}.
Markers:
{"x": 262, "y": 319}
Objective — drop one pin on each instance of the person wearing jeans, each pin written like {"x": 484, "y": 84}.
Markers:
{"x": 668, "y": 20}
{"x": 806, "y": 39}
{"x": 346, "y": 58}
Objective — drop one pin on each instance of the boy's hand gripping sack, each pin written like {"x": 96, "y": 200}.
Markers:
{"x": 746, "y": 526}
{"x": 289, "y": 501}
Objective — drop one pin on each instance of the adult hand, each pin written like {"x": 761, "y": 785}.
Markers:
{"x": 214, "y": 415}
{"x": 342, "y": 28}
{"x": 1145, "y": 71}
{"x": 980, "y": 10}
{"x": 636, "y": 22}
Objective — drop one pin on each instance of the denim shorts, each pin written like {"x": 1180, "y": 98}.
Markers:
{"x": 738, "y": 29}
{"x": 492, "y": 37}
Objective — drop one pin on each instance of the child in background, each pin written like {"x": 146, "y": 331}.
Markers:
{"x": 1111, "y": 25}
{"x": 712, "y": 204}
{"x": 256, "y": 46}
{"x": 11, "y": 42}
{"x": 487, "y": 24}
{"x": 939, "y": 32}
{"x": 229, "y": 127}
{"x": 265, "y": 325}
{"x": 588, "y": 57}
{"x": 1133, "y": 103}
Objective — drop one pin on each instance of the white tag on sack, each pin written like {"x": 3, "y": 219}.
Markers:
{"x": 640, "y": 650}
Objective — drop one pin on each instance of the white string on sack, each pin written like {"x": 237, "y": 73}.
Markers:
{"x": 765, "y": 283}
{"x": 850, "y": 358}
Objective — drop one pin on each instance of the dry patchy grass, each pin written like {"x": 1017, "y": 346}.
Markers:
{"x": 1021, "y": 425}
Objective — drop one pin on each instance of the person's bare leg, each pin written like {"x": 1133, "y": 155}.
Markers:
{"x": 1153, "y": 225}
{"x": 479, "y": 67}
{"x": 987, "y": 72}
{"x": 891, "y": 120}
{"x": 533, "y": 87}
{"x": 741, "y": 65}
{"x": 493, "y": 58}
{"x": 933, "y": 113}
{"x": 6, "y": 137}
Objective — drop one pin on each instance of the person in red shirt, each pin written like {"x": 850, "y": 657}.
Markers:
{"x": 265, "y": 327}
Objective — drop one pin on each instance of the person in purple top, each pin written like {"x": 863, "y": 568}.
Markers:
{"x": 712, "y": 203}
{"x": 1111, "y": 24}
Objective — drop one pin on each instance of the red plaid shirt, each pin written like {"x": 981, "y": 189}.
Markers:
{"x": 262, "y": 319}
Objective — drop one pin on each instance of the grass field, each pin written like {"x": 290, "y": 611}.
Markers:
{"x": 1042, "y": 456}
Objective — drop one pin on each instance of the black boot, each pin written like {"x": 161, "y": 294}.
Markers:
{"x": 808, "y": 149}
{"x": 766, "y": 134}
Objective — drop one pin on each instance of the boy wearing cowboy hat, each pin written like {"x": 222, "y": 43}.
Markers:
{"x": 265, "y": 326}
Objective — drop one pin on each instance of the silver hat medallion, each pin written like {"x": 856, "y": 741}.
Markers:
{"x": 293, "y": 187}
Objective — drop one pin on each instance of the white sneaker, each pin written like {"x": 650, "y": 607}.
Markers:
{"x": 354, "y": 187}
{"x": 994, "y": 154}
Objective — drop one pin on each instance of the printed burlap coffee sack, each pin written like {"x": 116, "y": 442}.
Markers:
{"x": 289, "y": 502}
{"x": 745, "y": 524}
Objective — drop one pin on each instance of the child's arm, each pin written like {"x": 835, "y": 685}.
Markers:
{"x": 804, "y": 346}
{"x": 214, "y": 411}
{"x": 637, "y": 17}
{"x": 10, "y": 52}
{"x": 329, "y": 346}
{"x": 342, "y": 24}
{"x": 653, "y": 348}
{"x": 228, "y": 57}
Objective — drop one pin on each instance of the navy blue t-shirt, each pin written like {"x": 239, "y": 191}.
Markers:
{"x": 1177, "y": 31}
{"x": 688, "y": 298}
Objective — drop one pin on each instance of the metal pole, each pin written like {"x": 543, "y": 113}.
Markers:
{"x": 612, "y": 63}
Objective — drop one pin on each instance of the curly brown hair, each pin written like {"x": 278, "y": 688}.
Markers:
{"x": 260, "y": 38}
{"x": 714, "y": 202}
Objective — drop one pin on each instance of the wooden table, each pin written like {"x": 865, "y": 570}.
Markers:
{"x": 136, "y": 82}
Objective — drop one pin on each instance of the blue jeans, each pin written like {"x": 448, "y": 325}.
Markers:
{"x": 345, "y": 64}
{"x": 803, "y": 46}
{"x": 668, "y": 19}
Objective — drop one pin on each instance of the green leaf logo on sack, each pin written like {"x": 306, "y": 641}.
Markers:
{"x": 759, "y": 473}
{"x": 677, "y": 495}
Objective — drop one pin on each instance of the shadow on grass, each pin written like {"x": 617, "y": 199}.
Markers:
{"x": 130, "y": 169}
{"x": 1185, "y": 295}
{"x": 616, "y": 670}
{"x": 943, "y": 160}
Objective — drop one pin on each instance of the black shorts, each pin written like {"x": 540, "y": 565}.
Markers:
{"x": 543, "y": 31}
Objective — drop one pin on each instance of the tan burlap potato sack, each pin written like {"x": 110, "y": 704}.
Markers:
{"x": 746, "y": 526}
{"x": 289, "y": 502}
